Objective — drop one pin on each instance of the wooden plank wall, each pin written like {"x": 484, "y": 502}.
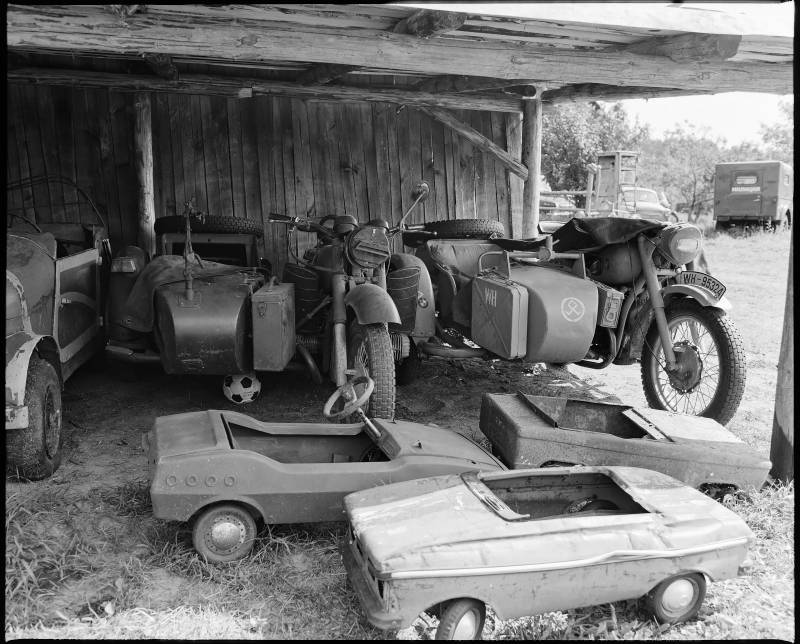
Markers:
{"x": 245, "y": 157}
{"x": 83, "y": 135}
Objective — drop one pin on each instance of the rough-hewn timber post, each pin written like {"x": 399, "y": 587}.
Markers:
{"x": 516, "y": 186}
{"x": 143, "y": 144}
{"x": 532, "y": 159}
{"x": 781, "y": 451}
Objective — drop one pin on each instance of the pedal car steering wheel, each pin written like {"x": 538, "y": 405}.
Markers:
{"x": 348, "y": 392}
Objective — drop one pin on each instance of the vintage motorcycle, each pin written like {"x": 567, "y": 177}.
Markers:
{"x": 344, "y": 305}
{"x": 598, "y": 291}
{"x": 332, "y": 308}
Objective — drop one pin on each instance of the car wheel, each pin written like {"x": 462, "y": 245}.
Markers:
{"x": 34, "y": 453}
{"x": 677, "y": 599}
{"x": 462, "y": 619}
{"x": 224, "y": 533}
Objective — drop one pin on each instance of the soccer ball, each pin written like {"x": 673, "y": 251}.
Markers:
{"x": 242, "y": 388}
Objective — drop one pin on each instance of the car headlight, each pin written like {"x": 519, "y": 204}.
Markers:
{"x": 681, "y": 243}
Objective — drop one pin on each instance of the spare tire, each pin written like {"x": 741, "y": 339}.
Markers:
{"x": 466, "y": 228}
{"x": 235, "y": 225}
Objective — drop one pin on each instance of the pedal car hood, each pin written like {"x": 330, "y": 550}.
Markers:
{"x": 440, "y": 524}
{"x": 402, "y": 438}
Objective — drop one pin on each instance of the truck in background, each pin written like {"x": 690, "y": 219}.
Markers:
{"x": 753, "y": 192}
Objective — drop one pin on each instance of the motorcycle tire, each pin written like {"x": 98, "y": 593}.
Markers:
{"x": 234, "y": 225}
{"x": 369, "y": 352}
{"x": 466, "y": 228}
{"x": 721, "y": 402}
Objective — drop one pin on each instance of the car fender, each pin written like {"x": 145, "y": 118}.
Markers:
{"x": 700, "y": 295}
{"x": 19, "y": 349}
{"x": 372, "y": 304}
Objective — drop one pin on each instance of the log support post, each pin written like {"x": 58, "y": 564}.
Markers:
{"x": 143, "y": 146}
{"x": 532, "y": 160}
{"x": 781, "y": 451}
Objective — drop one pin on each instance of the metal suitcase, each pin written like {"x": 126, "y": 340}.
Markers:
{"x": 500, "y": 315}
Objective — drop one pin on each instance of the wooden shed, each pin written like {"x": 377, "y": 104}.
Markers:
{"x": 316, "y": 109}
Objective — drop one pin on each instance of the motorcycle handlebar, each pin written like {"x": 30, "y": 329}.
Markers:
{"x": 306, "y": 225}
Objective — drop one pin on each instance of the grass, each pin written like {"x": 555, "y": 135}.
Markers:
{"x": 90, "y": 561}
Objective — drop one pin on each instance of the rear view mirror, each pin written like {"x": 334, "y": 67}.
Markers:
{"x": 421, "y": 191}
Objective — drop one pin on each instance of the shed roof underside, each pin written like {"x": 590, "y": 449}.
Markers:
{"x": 491, "y": 53}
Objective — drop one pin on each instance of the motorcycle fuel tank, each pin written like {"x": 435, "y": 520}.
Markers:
{"x": 559, "y": 319}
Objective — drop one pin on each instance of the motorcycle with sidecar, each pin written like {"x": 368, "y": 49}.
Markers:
{"x": 331, "y": 309}
{"x": 597, "y": 291}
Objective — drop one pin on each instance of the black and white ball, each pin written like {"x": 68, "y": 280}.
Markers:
{"x": 242, "y": 388}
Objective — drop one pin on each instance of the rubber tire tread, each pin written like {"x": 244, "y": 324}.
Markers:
{"x": 380, "y": 356}
{"x": 466, "y": 228}
{"x": 652, "y": 604}
{"x": 733, "y": 367}
{"x": 250, "y": 533}
{"x": 235, "y": 225}
{"x": 453, "y": 613}
{"x": 26, "y": 455}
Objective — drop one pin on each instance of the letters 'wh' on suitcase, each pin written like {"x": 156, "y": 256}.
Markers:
{"x": 500, "y": 315}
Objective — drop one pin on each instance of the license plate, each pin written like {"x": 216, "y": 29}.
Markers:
{"x": 702, "y": 280}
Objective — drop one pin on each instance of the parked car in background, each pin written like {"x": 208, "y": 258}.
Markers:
{"x": 753, "y": 192}
{"x": 647, "y": 204}
{"x": 537, "y": 540}
{"x": 54, "y": 324}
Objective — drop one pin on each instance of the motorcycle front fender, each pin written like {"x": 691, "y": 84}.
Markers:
{"x": 700, "y": 295}
{"x": 372, "y": 304}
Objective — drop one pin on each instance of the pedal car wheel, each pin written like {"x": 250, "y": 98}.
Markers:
{"x": 34, "y": 452}
{"x": 677, "y": 599}
{"x": 224, "y": 533}
{"x": 462, "y": 619}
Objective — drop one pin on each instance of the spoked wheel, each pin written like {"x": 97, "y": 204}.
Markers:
{"x": 711, "y": 375}
{"x": 369, "y": 353}
{"x": 677, "y": 599}
{"x": 462, "y": 619}
{"x": 224, "y": 533}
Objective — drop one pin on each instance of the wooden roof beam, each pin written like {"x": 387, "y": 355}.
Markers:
{"x": 689, "y": 48}
{"x": 583, "y": 92}
{"x": 477, "y": 139}
{"x": 426, "y": 23}
{"x": 323, "y": 73}
{"x": 466, "y": 84}
{"x": 162, "y": 65}
{"x": 90, "y": 29}
{"x": 241, "y": 87}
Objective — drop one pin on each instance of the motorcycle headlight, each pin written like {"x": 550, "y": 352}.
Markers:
{"x": 368, "y": 247}
{"x": 681, "y": 243}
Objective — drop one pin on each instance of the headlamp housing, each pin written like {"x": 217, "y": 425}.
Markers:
{"x": 681, "y": 243}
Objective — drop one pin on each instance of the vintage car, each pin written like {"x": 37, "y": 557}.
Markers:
{"x": 537, "y": 431}
{"x": 538, "y": 540}
{"x": 225, "y": 470}
{"x": 54, "y": 324}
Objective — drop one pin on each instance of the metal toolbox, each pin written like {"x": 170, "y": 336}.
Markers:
{"x": 500, "y": 315}
{"x": 273, "y": 327}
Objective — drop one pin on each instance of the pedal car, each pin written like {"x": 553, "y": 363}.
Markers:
{"x": 536, "y": 540}
{"x": 535, "y": 431}
{"x": 224, "y": 470}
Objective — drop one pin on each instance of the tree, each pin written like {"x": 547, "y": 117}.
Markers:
{"x": 779, "y": 137}
{"x": 572, "y": 136}
{"x": 682, "y": 165}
